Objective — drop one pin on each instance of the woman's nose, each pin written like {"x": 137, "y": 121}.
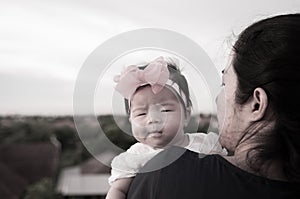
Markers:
{"x": 216, "y": 100}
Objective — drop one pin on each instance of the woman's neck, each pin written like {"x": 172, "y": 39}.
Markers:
{"x": 247, "y": 158}
{"x": 270, "y": 169}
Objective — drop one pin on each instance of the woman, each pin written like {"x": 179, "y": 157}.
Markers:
{"x": 259, "y": 123}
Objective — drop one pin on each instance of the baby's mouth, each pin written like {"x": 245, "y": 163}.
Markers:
{"x": 155, "y": 134}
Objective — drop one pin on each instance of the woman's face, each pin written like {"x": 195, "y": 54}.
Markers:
{"x": 230, "y": 114}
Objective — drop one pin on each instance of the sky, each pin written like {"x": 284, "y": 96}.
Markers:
{"x": 44, "y": 44}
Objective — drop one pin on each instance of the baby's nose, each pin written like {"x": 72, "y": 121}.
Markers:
{"x": 155, "y": 115}
{"x": 155, "y": 122}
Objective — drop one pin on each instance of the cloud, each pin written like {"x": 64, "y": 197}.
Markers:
{"x": 43, "y": 44}
{"x": 22, "y": 93}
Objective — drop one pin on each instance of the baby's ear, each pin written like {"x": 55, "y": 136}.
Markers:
{"x": 187, "y": 116}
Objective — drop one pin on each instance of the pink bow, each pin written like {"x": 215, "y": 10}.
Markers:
{"x": 156, "y": 74}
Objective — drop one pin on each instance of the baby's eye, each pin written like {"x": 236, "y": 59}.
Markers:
{"x": 166, "y": 110}
{"x": 222, "y": 84}
{"x": 140, "y": 114}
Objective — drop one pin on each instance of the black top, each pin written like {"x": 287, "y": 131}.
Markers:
{"x": 207, "y": 177}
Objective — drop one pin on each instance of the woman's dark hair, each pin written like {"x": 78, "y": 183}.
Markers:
{"x": 176, "y": 77}
{"x": 267, "y": 55}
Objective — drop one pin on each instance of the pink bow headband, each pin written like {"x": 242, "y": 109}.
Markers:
{"x": 156, "y": 74}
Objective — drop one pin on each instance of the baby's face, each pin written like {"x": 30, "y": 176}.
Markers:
{"x": 157, "y": 119}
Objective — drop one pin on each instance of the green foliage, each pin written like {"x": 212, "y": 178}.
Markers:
{"x": 67, "y": 137}
{"x": 42, "y": 129}
{"x": 119, "y": 132}
{"x": 25, "y": 131}
{"x": 42, "y": 189}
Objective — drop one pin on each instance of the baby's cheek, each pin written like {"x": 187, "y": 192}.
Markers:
{"x": 138, "y": 130}
{"x": 177, "y": 127}
{"x": 175, "y": 119}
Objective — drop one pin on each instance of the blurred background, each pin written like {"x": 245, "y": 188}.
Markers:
{"x": 43, "y": 45}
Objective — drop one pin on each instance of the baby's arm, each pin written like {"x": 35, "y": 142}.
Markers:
{"x": 119, "y": 188}
{"x": 125, "y": 166}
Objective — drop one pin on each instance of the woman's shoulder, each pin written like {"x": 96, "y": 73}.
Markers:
{"x": 211, "y": 167}
{"x": 175, "y": 156}
{"x": 190, "y": 172}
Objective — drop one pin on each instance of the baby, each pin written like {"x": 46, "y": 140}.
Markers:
{"x": 158, "y": 102}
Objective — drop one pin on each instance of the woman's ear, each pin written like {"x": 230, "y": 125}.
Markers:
{"x": 187, "y": 116}
{"x": 259, "y": 104}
